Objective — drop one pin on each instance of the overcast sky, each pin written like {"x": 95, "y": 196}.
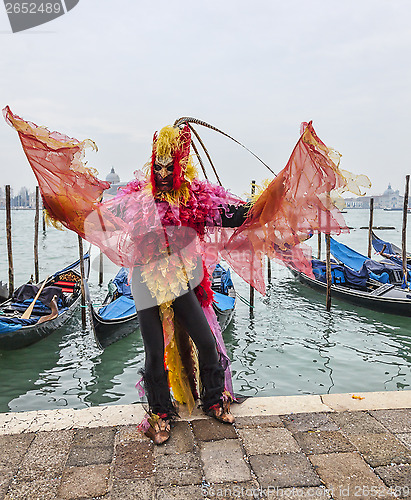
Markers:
{"x": 115, "y": 71}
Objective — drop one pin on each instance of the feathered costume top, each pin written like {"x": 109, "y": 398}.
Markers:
{"x": 167, "y": 234}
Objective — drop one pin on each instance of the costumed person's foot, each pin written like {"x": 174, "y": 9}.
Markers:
{"x": 221, "y": 412}
{"x": 157, "y": 427}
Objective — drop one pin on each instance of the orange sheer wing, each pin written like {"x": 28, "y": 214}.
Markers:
{"x": 299, "y": 202}
{"x": 69, "y": 189}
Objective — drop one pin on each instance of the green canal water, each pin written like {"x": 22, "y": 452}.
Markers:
{"x": 292, "y": 345}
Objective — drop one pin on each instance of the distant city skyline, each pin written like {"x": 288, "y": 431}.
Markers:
{"x": 401, "y": 189}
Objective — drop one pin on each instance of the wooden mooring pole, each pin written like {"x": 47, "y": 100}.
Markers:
{"x": 404, "y": 231}
{"x": 371, "y": 222}
{"x": 44, "y": 220}
{"x": 83, "y": 292}
{"x": 100, "y": 272}
{"x": 36, "y": 237}
{"x": 328, "y": 260}
{"x": 319, "y": 236}
{"x": 251, "y": 268}
{"x": 269, "y": 270}
{"x": 9, "y": 245}
{"x": 319, "y": 246}
{"x": 328, "y": 267}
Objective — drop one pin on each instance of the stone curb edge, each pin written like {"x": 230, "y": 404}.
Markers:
{"x": 115, "y": 415}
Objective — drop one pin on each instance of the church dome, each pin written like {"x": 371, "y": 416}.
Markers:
{"x": 112, "y": 177}
{"x": 389, "y": 191}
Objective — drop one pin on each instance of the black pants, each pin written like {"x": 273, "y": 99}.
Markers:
{"x": 188, "y": 312}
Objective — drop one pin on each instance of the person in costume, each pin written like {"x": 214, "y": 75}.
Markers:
{"x": 170, "y": 229}
{"x": 184, "y": 202}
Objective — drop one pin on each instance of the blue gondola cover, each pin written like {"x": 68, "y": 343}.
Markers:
{"x": 223, "y": 302}
{"x": 119, "y": 308}
{"x": 7, "y": 328}
{"x": 121, "y": 282}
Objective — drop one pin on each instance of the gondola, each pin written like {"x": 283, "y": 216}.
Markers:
{"x": 224, "y": 295}
{"x": 117, "y": 317}
{"x": 392, "y": 251}
{"x": 360, "y": 281}
{"x": 60, "y": 295}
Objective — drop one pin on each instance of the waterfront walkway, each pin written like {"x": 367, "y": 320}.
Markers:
{"x": 329, "y": 446}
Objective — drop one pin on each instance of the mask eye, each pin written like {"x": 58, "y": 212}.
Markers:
{"x": 156, "y": 167}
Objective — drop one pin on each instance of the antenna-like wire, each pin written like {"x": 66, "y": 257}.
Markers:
{"x": 188, "y": 120}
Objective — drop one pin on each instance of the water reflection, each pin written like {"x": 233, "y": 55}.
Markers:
{"x": 311, "y": 351}
{"x": 115, "y": 372}
{"x": 21, "y": 371}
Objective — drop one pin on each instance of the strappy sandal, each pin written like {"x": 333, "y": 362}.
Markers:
{"x": 157, "y": 427}
{"x": 221, "y": 412}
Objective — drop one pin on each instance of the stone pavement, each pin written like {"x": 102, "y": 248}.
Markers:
{"x": 330, "y": 446}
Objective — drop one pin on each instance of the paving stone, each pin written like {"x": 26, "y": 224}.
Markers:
{"x": 128, "y": 433}
{"x": 178, "y": 461}
{"x": 132, "y": 489}
{"x": 304, "y": 493}
{"x": 46, "y": 456}
{"x": 232, "y": 491}
{"x": 53, "y": 439}
{"x": 381, "y": 449}
{"x": 13, "y": 447}
{"x": 91, "y": 455}
{"x": 394, "y": 420}
{"x": 179, "y": 493}
{"x": 133, "y": 460}
{"x": 357, "y": 422}
{"x": 397, "y": 477}
{"x": 284, "y": 470}
{"x": 212, "y": 430}
{"x": 166, "y": 476}
{"x": 258, "y": 421}
{"x": 302, "y": 422}
{"x": 6, "y": 475}
{"x": 181, "y": 440}
{"x": 347, "y": 475}
{"x": 43, "y": 488}
{"x": 405, "y": 438}
{"x": 323, "y": 442}
{"x": 95, "y": 437}
{"x": 266, "y": 440}
{"x": 83, "y": 482}
{"x": 224, "y": 461}
{"x": 44, "y": 462}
